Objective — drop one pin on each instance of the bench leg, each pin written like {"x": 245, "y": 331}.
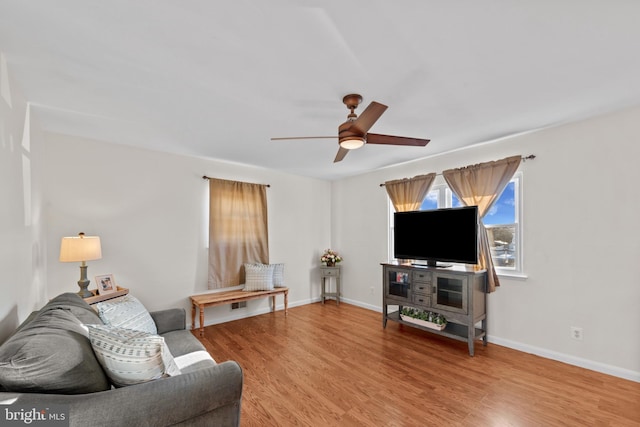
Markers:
{"x": 286, "y": 303}
{"x": 273, "y": 303}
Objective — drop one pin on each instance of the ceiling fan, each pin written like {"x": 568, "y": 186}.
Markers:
{"x": 354, "y": 134}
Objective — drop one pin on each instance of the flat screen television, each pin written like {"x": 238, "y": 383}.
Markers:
{"x": 446, "y": 235}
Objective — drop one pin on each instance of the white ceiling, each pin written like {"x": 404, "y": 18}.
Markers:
{"x": 217, "y": 79}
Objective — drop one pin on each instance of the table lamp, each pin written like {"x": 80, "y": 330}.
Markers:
{"x": 81, "y": 249}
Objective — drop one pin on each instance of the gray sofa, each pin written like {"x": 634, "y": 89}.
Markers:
{"x": 60, "y": 370}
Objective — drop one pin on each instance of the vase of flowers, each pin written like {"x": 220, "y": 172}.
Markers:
{"x": 330, "y": 257}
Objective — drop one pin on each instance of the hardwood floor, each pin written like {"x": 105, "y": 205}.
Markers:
{"x": 325, "y": 365}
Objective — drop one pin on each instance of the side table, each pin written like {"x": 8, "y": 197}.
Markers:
{"x": 326, "y": 273}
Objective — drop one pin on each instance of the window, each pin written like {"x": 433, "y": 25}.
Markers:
{"x": 503, "y": 223}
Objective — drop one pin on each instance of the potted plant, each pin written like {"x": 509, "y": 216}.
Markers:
{"x": 330, "y": 258}
{"x": 425, "y": 318}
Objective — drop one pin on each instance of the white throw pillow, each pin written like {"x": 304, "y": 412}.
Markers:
{"x": 278, "y": 275}
{"x": 258, "y": 277}
{"x": 131, "y": 357}
{"x": 126, "y": 312}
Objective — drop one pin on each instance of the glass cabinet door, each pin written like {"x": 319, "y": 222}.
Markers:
{"x": 399, "y": 284}
{"x": 450, "y": 293}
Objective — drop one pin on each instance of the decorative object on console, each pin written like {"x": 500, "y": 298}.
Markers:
{"x": 81, "y": 249}
{"x": 106, "y": 284}
{"x": 330, "y": 257}
{"x": 425, "y": 318}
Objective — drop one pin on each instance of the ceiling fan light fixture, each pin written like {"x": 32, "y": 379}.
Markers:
{"x": 352, "y": 142}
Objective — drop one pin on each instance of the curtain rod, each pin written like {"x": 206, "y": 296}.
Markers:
{"x": 208, "y": 177}
{"x": 524, "y": 159}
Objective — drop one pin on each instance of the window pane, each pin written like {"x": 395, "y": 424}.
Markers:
{"x": 504, "y": 209}
{"x": 502, "y": 240}
{"x": 455, "y": 202}
{"x": 430, "y": 202}
{"x": 501, "y": 228}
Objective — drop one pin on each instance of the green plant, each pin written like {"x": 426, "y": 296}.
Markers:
{"x": 427, "y": 316}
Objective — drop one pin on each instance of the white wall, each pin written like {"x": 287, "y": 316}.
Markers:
{"x": 22, "y": 282}
{"x": 581, "y": 241}
{"x": 150, "y": 211}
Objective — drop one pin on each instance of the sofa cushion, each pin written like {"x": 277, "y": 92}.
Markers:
{"x": 126, "y": 312}
{"x": 258, "y": 277}
{"x": 51, "y": 354}
{"x": 130, "y": 356}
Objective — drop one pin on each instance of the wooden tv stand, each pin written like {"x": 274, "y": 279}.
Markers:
{"x": 456, "y": 293}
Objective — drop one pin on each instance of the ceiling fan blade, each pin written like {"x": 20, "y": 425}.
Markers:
{"x": 341, "y": 153}
{"x": 302, "y": 137}
{"x": 376, "y": 138}
{"x": 368, "y": 117}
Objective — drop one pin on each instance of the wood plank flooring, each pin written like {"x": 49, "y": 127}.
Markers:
{"x": 328, "y": 365}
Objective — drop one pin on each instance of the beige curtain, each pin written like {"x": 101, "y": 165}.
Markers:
{"x": 407, "y": 194}
{"x": 237, "y": 230}
{"x": 481, "y": 185}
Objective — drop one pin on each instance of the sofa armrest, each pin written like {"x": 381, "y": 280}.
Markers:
{"x": 173, "y": 319}
{"x": 208, "y": 396}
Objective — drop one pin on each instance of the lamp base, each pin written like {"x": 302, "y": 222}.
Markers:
{"x": 84, "y": 283}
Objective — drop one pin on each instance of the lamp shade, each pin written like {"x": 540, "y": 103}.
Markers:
{"x": 80, "y": 248}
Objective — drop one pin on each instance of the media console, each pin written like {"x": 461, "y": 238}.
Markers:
{"x": 456, "y": 293}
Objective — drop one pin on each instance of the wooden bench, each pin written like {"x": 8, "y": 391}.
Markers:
{"x": 218, "y": 298}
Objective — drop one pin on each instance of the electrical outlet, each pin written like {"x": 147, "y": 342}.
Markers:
{"x": 576, "y": 333}
{"x": 371, "y": 290}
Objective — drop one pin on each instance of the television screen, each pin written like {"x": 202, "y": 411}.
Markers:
{"x": 449, "y": 235}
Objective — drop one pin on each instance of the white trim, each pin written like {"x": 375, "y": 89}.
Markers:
{"x": 567, "y": 358}
{"x": 511, "y": 275}
{"x": 362, "y": 305}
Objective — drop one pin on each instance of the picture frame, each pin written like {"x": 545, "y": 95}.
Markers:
{"x": 106, "y": 284}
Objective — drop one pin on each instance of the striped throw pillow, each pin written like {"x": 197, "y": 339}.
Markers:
{"x": 131, "y": 357}
{"x": 126, "y": 312}
{"x": 258, "y": 277}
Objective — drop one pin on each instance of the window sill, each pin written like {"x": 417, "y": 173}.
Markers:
{"x": 511, "y": 275}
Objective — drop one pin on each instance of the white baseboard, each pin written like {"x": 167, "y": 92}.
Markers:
{"x": 361, "y": 304}
{"x": 567, "y": 358}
